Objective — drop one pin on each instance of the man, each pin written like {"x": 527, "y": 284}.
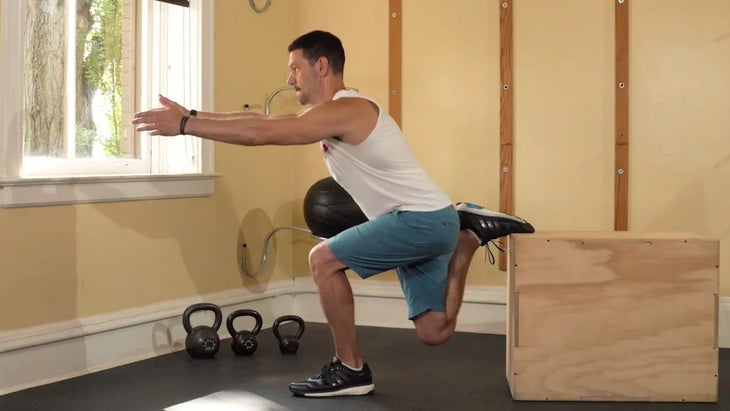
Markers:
{"x": 413, "y": 226}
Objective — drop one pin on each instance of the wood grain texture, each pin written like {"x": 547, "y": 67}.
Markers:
{"x": 621, "y": 194}
{"x": 395, "y": 59}
{"x": 618, "y": 317}
{"x": 506, "y": 119}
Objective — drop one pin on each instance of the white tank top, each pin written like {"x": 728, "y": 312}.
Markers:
{"x": 381, "y": 173}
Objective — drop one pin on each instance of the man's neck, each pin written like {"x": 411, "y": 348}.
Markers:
{"x": 330, "y": 89}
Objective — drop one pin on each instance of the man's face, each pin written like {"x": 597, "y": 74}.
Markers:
{"x": 302, "y": 76}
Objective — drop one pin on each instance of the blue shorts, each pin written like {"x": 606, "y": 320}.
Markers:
{"x": 418, "y": 245}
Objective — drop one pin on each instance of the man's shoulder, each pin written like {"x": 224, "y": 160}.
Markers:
{"x": 352, "y": 103}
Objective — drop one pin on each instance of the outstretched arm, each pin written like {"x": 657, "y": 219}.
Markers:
{"x": 351, "y": 119}
{"x": 166, "y": 102}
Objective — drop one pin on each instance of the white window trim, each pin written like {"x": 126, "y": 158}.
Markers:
{"x": 16, "y": 191}
{"x": 75, "y": 190}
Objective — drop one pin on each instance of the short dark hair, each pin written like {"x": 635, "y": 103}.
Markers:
{"x": 316, "y": 44}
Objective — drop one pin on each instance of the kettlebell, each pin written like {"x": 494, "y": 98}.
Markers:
{"x": 244, "y": 342}
{"x": 288, "y": 344}
{"x": 202, "y": 341}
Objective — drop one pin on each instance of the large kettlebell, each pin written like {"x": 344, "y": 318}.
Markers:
{"x": 202, "y": 341}
{"x": 288, "y": 344}
{"x": 244, "y": 342}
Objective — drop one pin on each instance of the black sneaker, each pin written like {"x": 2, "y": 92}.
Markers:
{"x": 335, "y": 379}
{"x": 489, "y": 225}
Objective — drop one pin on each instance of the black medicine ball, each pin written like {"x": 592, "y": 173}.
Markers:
{"x": 329, "y": 209}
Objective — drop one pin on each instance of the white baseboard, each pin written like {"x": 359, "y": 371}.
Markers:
{"x": 381, "y": 304}
{"x": 45, "y": 354}
{"x": 58, "y": 351}
{"x": 723, "y": 323}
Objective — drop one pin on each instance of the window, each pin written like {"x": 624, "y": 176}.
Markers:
{"x": 73, "y": 73}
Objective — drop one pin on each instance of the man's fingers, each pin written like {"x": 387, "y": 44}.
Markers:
{"x": 146, "y": 127}
{"x": 148, "y": 116}
{"x": 154, "y": 130}
{"x": 155, "y": 120}
{"x": 151, "y": 111}
{"x": 144, "y": 115}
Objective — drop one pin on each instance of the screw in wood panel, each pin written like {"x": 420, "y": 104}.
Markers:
{"x": 621, "y": 85}
{"x": 621, "y": 1}
{"x": 620, "y": 171}
{"x": 505, "y": 169}
{"x": 505, "y": 5}
{"x": 394, "y": 15}
{"x": 506, "y": 86}
{"x": 395, "y": 93}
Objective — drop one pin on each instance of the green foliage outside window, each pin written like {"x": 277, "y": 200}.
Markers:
{"x": 102, "y": 68}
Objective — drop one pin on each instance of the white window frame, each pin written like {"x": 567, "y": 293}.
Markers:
{"x": 17, "y": 190}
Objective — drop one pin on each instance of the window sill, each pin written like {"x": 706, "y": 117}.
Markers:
{"x": 44, "y": 191}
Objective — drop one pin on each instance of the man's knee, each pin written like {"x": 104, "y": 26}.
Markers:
{"x": 322, "y": 262}
{"x": 433, "y": 329}
{"x": 317, "y": 260}
{"x": 434, "y": 338}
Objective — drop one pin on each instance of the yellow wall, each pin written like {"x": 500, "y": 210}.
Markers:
{"x": 564, "y": 113}
{"x": 61, "y": 263}
{"x": 680, "y": 120}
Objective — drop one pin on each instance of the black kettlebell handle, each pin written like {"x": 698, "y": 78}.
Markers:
{"x": 244, "y": 313}
{"x": 286, "y": 318}
{"x": 202, "y": 307}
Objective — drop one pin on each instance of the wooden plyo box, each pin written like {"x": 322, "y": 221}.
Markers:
{"x": 612, "y": 316}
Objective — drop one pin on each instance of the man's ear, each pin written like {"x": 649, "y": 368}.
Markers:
{"x": 323, "y": 66}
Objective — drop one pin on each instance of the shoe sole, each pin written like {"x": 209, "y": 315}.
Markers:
{"x": 359, "y": 390}
{"x": 488, "y": 213}
{"x": 494, "y": 228}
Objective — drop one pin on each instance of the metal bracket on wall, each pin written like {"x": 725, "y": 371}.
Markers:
{"x": 244, "y": 263}
{"x": 257, "y": 9}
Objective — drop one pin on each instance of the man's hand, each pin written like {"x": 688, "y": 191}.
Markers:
{"x": 162, "y": 121}
{"x": 166, "y": 102}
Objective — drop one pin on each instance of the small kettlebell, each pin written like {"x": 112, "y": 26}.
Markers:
{"x": 244, "y": 342}
{"x": 288, "y": 344}
{"x": 202, "y": 341}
